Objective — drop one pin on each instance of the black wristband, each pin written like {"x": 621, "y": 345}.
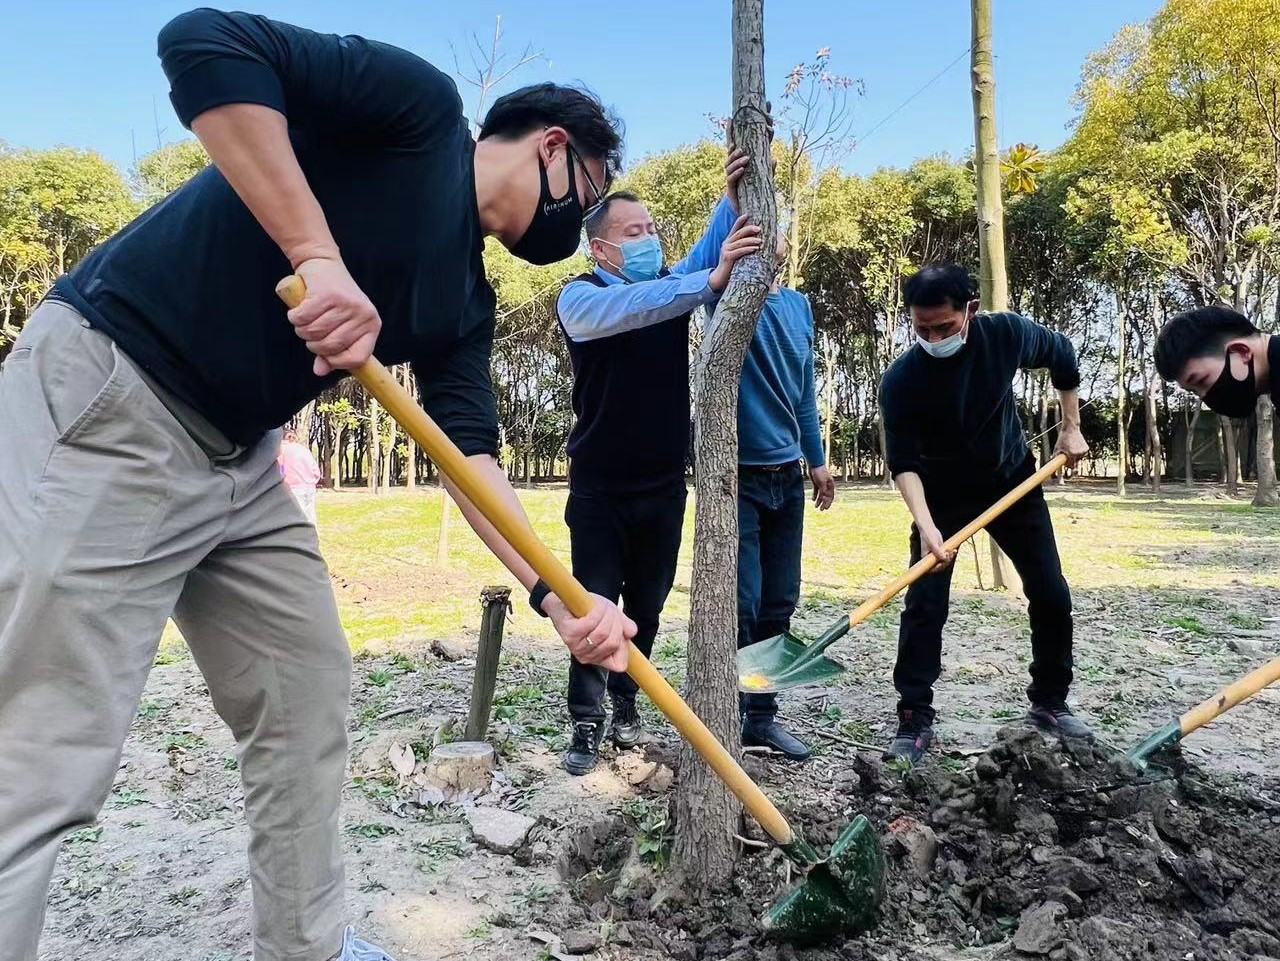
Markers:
{"x": 537, "y": 594}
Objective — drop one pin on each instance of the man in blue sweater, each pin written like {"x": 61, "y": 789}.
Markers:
{"x": 777, "y": 429}
{"x": 956, "y": 446}
{"x": 626, "y": 325}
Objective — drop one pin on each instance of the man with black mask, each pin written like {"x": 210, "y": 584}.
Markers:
{"x": 1222, "y": 358}
{"x": 137, "y": 416}
{"x": 955, "y": 447}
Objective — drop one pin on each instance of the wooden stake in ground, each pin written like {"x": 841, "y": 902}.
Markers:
{"x": 993, "y": 279}
{"x": 706, "y": 813}
{"x": 496, "y": 601}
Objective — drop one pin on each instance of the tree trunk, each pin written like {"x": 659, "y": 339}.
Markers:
{"x": 1153, "y": 435}
{"x": 705, "y": 812}
{"x": 411, "y": 459}
{"x": 1266, "y": 493}
{"x": 304, "y": 421}
{"x": 1122, "y": 383}
{"x": 1230, "y": 459}
{"x": 374, "y": 427}
{"x": 993, "y": 279}
{"x": 1189, "y": 455}
{"x": 388, "y": 450}
{"x": 442, "y": 545}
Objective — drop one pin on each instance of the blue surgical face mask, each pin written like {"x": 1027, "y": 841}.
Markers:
{"x": 947, "y": 347}
{"x": 641, "y": 259}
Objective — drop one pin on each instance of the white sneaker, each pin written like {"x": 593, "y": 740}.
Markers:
{"x": 355, "y": 949}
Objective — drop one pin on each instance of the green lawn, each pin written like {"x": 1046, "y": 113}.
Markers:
{"x": 382, "y": 551}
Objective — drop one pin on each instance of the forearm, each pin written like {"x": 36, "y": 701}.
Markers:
{"x": 1069, "y": 403}
{"x": 493, "y": 476}
{"x": 591, "y": 313}
{"x": 912, "y": 490}
{"x": 250, "y": 145}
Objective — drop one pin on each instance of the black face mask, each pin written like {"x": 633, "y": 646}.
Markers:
{"x": 1231, "y": 397}
{"x": 553, "y": 233}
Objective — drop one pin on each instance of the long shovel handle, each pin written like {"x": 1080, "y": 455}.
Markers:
{"x": 953, "y": 543}
{"x": 1230, "y": 696}
{"x": 454, "y": 465}
{"x": 927, "y": 563}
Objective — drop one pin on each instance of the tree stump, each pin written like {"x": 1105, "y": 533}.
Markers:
{"x": 461, "y": 767}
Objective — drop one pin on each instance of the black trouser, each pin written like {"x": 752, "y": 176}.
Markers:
{"x": 624, "y": 546}
{"x": 1025, "y": 533}
{"x": 770, "y": 537}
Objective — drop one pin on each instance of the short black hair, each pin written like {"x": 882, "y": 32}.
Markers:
{"x": 939, "y": 284}
{"x": 1200, "y": 332}
{"x": 595, "y": 223}
{"x": 594, "y": 129}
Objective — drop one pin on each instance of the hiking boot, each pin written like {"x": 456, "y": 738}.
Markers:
{"x": 627, "y": 727}
{"x": 766, "y": 732}
{"x": 584, "y": 753}
{"x": 1058, "y": 719}
{"x": 911, "y": 742}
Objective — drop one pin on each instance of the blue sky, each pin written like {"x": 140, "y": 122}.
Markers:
{"x": 85, "y": 73}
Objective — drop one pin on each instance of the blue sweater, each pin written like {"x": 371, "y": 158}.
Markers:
{"x": 777, "y": 408}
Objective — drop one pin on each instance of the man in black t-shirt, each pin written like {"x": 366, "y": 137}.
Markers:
{"x": 955, "y": 446}
{"x": 137, "y": 410}
{"x": 1221, "y": 357}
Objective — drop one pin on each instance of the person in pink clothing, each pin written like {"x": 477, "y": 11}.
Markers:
{"x": 301, "y": 473}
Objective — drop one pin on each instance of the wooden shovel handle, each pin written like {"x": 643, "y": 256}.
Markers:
{"x": 454, "y": 465}
{"x": 927, "y": 563}
{"x": 1230, "y": 696}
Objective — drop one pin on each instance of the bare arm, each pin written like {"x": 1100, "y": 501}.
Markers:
{"x": 1071, "y": 440}
{"x": 912, "y": 490}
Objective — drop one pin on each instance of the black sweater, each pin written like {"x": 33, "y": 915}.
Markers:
{"x": 187, "y": 289}
{"x": 954, "y": 420}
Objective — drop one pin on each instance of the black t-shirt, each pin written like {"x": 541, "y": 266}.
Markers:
{"x": 188, "y": 289}
{"x": 954, "y": 420}
{"x": 1273, "y": 369}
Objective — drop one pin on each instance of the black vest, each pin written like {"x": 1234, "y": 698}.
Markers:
{"x": 631, "y": 408}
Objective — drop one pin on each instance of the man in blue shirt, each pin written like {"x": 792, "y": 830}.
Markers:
{"x": 626, "y": 325}
{"x": 777, "y": 428}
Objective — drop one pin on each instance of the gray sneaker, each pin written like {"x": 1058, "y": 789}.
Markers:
{"x": 1058, "y": 719}
{"x": 355, "y": 949}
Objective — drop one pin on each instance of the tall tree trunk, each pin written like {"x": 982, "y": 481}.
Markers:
{"x": 388, "y": 450}
{"x": 1153, "y": 434}
{"x": 411, "y": 459}
{"x": 1230, "y": 458}
{"x": 1189, "y": 455}
{"x": 304, "y": 420}
{"x": 375, "y": 409}
{"x": 705, "y": 812}
{"x": 993, "y": 279}
{"x": 1266, "y": 493}
{"x": 1122, "y": 383}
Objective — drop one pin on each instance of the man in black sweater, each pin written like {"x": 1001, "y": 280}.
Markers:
{"x": 138, "y": 413}
{"x": 956, "y": 446}
{"x": 1221, "y": 357}
{"x": 626, "y": 325}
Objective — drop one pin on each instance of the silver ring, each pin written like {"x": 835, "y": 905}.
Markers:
{"x": 590, "y": 642}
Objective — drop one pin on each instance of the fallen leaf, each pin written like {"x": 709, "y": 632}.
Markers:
{"x": 402, "y": 759}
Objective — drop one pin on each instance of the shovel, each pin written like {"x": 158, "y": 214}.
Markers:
{"x": 786, "y": 661}
{"x": 1202, "y": 714}
{"x": 839, "y": 893}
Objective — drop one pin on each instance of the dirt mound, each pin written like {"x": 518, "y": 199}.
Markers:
{"x": 1045, "y": 849}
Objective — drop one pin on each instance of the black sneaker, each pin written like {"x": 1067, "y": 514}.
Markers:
{"x": 627, "y": 727}
{"x": 1058, "y": 719}
{"x": 766, "y": 732}
{"x": 912, "y": 741}
{"x": 584, "y": 753}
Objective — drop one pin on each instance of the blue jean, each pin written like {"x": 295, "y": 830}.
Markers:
{"x": 770, "y": 536}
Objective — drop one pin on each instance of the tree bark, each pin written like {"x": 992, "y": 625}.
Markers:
{"x": 1122, "y": 383}
{"x": 374, "y": 444}
{"x": 1153, "y": 435}
{"x": 1230, "y": 459}
{"x": 1265, "y": 496}
{"x": 1189, "y": 455}
{"x": 705, "y": 812}
{"x": 411, "y": 459}
{"x": 993, "y": 278}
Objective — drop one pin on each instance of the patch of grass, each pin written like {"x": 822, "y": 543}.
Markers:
{"x": 1005, "y": 713}
{"x": 402, "y": 663}
{"x": 86, "y": 835}
{"x": 899, "y": 765}
{"x": 479, "y": 932}
{"x": 378, "y": 678}
{"x": 184, "y": 741}
{"x": 522, "y": 695}
{"x": 126, "y": 797}
{"x": 171, "y": 655}
{"x": 371, "y": 831}
{"x": 371, "y": 887}
{"x": 539, "y": 892}
{"x": 1246, "y": 622}
{"x": 230, "y": 764}
{"x": 183, "y": 896}
{"x": 150, "y": 710}
{"x": 1191, "y": 624}
{"x": 435, "y": 852}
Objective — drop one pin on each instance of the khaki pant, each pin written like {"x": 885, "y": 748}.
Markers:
{"x": 112, "y": 518}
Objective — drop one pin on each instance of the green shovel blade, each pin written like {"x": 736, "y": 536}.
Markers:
{"x": 771, "y": 665}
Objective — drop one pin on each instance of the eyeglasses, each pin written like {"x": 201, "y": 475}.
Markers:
{"x": 596, "y": 192}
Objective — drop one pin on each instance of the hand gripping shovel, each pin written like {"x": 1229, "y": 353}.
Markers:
{"x": 786, "y": 661}
{"x": 1203, "y": 713}
{"x": 840, "y": 893}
